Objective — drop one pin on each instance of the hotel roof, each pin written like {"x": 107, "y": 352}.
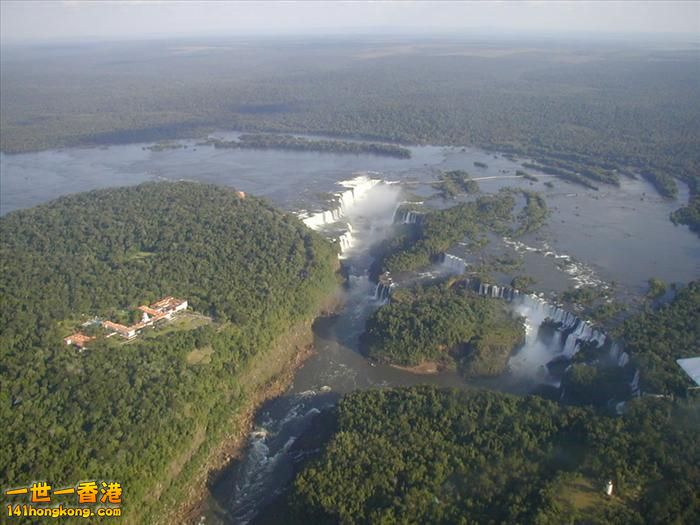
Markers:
{"x": 167, "y": 303}
{"x": 78, "y": 339}
{"x": 151, "y": 311}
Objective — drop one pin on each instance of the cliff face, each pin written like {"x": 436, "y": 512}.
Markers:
{"x": 266, "y": 376}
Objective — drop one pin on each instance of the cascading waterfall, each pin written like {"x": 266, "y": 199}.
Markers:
{"x": 382, "y": 292}
{"x": 570, "y": 334}
{"x": 403, "y": 216}
{"x": 356, "y": 189}
{"x": 346, "y": 240}
{"x": 454, "y": 264}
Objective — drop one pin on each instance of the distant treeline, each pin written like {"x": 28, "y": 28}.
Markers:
{"x": 291, "y": 142}
{"x": 586, "y": 112}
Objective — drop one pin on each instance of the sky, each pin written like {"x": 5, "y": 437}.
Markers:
{"x": 34, "y": 20}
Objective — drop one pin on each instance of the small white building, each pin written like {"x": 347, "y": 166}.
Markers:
{"x": 609, "y": 488}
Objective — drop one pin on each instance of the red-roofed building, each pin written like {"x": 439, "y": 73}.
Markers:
{"x": 163, "y": 309}
{"x": 169, "y": 306}
{"x": 78, "y": 339}
{"x": 128, "y": 332}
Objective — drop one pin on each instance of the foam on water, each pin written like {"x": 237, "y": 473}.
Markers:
{"x": 581, "y": 274}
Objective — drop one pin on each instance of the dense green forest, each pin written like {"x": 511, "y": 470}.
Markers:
{"x": 455, "y": 182}
{"x": 445, "y": 325}
{"x": 689, "y": 215}
{"x": 144, "y": 413}
{"x": 290, "y": 142}
{"x": 425, "y": 455}
{"x": 655, "y": 339}
{"x": 533, "y": 215}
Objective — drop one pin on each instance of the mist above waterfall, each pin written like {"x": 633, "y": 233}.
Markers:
{"x": 532, "y": 358}
{"x": 373, "y": 215}
{"x": 361, "y": 215}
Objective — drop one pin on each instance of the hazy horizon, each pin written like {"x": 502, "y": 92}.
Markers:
{"x": 33, "y": 22}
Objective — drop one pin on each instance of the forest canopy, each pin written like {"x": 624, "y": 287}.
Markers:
{"x": 425, "y": 455}
{"x": 144, "y": 413}
{"x": 290, "y": 142}
{"x": 445, "y": 325}
{"x": 656, "y": 338}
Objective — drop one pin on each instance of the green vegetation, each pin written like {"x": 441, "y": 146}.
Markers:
{"x": 146, "y": 413}
{"x": 445, "y": 325}
{"x": 595, "y": 385}
{"x": 418, "y": 244}
{"x": 290, "y": 142}
{"x": 526, "y": 175}
{"x": 425, "y": 455}
{"x": 575, "y": 169}
{"x": 533, "y": 215}
{"x": 663, "y": 183}
{"x": 598, "y": 304}
{"x": 606, "y": 311}
{"x": 655, "y": 339}
{"x": 523, "y": 283}
{"x": 584, "y": 296}
{"x": 563, "y": 174}
{"x": 504, "y": 262}
{"x": 657, "y": 288}
{"x": 457, "y": 182}
{"x": 689, "y": 215}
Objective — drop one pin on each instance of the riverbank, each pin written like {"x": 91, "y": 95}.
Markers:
{"x": 267, "y": 376}
{"x": 426, "y": 368}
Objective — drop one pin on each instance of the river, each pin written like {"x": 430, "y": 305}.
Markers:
{"x": 620, "y": 235}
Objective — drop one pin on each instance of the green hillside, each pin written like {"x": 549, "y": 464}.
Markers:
{"x": 144, "y": 413}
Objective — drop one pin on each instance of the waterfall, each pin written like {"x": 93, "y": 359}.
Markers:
{"x": 356, "y": 190}
{"x": 403, "y": 215}
{"x": 623, "y": 359}
{"x": 382, "y": 292}
{"x": 453, "y": 263}
{"x": 570, "y": 331}
{"x": 407, "y": 217}
{"x": 634, "y": 384}
{"x": 346, "y": 240}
